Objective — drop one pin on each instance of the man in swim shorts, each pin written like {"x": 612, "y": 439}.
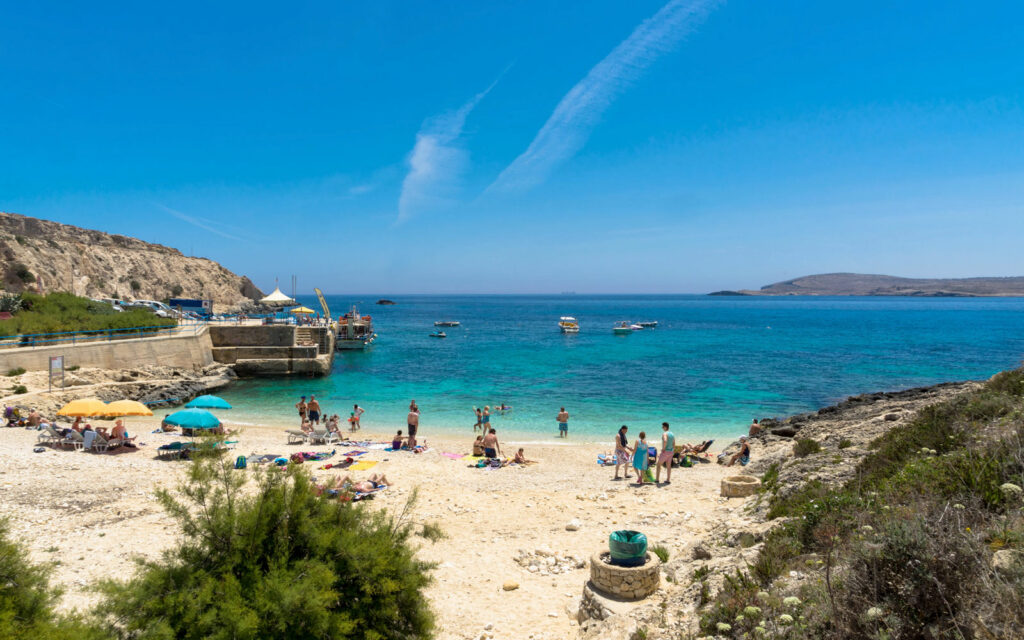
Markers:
{"x": 491, "y": 447}
{"x": 563, "y": 423}
{"x": 668, "y": 448}
{"x": 314, "y": 410}
{"x": 413, "y": 422}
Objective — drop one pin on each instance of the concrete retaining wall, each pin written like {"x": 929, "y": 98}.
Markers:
{"x": 230, "y": 355}
{"x": 249, "y": 336}
{"x": 181, "y": 350}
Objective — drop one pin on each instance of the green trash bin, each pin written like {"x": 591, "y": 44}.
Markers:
{"x": 628, "y": 548}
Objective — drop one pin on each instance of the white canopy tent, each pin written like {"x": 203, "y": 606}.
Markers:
{"x": 277, "y": 299}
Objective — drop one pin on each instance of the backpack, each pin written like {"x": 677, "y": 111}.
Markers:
{"x": 240, "y": 462}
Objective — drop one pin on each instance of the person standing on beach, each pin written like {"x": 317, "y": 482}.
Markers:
{"x": 491, "y": 447}
{"x": 302, "y": 407}
{"x": 563, "y": 423}
{"x": 479, "y": 418}
{"x": 413, "y": 422}
{"x": 622, "y": 452}
{"x": 357, "y": 413}
{"x": 314, "y": 410}
{"x": 668, "y": 450}
{"x": 640, "y": 458}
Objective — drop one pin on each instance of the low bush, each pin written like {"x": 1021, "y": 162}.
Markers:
{"x": 278, "y": 561}
{"x": 845, "y": 443}
{"x": 15, "y": 372}
{"x": 19, "y": 389}
{"x": 661, "y": 552}
{"x": 805, "y": 447}
{"x": 58, "y": 312}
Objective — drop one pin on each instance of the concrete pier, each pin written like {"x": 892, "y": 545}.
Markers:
{"x": 274, "y": 350}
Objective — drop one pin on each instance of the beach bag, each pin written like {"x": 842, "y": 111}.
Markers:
{"x": 685, "y": 462}
{"x": 240, "y": 462}
{"x": 648, "y": 475}
{"x": 628, "y": 548}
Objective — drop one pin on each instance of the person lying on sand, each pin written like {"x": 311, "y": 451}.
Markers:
{"x": 346, "y": 483}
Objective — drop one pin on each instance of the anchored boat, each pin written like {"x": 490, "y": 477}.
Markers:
{"x": 446, "y": 323}
{"x": 622, "y": 328}
{"x": 568, "y": 324}
{"x": 355, "y": 331}
{"x": 650, "y": 324}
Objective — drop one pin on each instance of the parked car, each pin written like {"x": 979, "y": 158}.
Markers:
{"x": 160, "y": 309}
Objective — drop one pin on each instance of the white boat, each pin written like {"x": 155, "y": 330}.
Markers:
{"x": 622, "y": 329}
{"x": 354, "y": 331}
{"x": 568, "y": 324}
{"x": 636, "y": 327}
{"x": 446, "y": 323}
{"x": 649, "y": 324}
{"x": 439, "y": 334}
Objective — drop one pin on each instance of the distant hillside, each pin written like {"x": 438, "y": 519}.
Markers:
{"x": 50, "y": 256}
{"x": 859, "y": 284}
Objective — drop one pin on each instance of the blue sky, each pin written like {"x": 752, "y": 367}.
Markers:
{"x": 520, "y": 146}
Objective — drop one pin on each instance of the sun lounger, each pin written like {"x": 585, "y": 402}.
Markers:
{"x": 323, "y": 436}
{"x": 171, "y": 450}
{"x": 49, "y": 436}
{"x": 297, "y": 437}
{"x": 73, "y": 439}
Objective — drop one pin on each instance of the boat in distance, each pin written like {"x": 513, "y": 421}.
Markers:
{"x": 622, "y": 328}
{"x": 568, "y": 324}
{"x": 650, "y": 324}
{"x": 439, "y": 334}
{"x": 354, "y": 331}
{"x": 446, "y": 323}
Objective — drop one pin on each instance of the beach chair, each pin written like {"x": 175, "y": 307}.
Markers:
{"x": 102, "y": 444}
{"x": 171, "y": 451}
{"x": 323, "y": 436}
{"x": 49, "y": 436}
{"x": 74, "y": 439}
{"x": 297, "y": 437}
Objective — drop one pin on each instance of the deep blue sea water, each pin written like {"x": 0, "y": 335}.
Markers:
{"x": 712, "y": 364}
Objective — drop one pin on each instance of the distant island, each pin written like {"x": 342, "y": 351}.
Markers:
{"x": 385, "y": 301}
{"x": 860, "y": 284}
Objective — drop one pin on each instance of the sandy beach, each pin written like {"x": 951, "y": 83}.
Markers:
{"x": 92, "y": 513}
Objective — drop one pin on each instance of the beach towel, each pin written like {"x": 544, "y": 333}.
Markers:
{"x": 605, "y": 459}
{"x": 363, "y": 465}
{"x": 453, "y": 456}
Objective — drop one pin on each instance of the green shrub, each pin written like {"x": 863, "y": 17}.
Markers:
{"x": 176, "y": 290}
{"x": 74, "y": 367}
{"x": 24, "y": 274}
{"x": 135, "y": 285}
{"x": 15, "y": 372}
{"x": 275, "y": 562}
{"x": 20, "y": 240}
{"x": 27, "y": 599}
{"x": 661, "y": 552}
{"x": 10, "y": 302}
{"x": 845, "y": 443}
{"x": 433, "y": 532}
{"x": 805, "y": 447}
{"x": 19, "y": 389}
{"x": 60, "y": 311}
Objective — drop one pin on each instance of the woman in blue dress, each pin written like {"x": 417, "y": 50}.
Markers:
{"x": 640, "y": 457}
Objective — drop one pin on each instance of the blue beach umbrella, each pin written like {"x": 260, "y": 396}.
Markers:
{"x": 193, "y": 419}
{"x": 208, "y": 402}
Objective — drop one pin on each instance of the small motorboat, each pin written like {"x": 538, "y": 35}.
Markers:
{"x": 622, "y": 329}
{"x": 439, "y": 334}
{"x": 568, "y": 324}
{"x": 649, "y": 324}
{"x": 636, "y": 327}
{"x": 446, "y": 323}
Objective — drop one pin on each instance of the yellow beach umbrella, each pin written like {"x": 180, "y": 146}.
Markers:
{"x": 302, "y": 310}
{"x": 127, "y": 408}
{"x": 84, "y": 408}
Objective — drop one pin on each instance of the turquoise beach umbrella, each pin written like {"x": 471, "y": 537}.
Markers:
{"x": 208, "y": 402}
{"x": 193, "y": 419}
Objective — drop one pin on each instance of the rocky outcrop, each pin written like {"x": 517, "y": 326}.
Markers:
{"x": 41, "y": 255}
{"x": 860, "y": 284}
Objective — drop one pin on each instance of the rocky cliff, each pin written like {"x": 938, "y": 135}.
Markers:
{"x": 861, "y": 284}
{"x": 49, "y": 256}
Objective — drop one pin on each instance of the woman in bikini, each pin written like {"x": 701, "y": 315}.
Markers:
{"x": 622, "y": 451}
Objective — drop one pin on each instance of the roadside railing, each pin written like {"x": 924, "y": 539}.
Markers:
{"x": 184, "y": 327}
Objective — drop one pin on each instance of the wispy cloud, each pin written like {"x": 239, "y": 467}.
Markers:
{"x": 579, "y": 111}
{"x": 202, "y": 223}
{"x": 436, "y": 160}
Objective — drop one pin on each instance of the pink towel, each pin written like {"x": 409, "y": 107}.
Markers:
{"x": 453, "y": 456}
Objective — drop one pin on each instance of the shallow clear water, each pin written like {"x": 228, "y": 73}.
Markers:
{"x": 712, "y": 364}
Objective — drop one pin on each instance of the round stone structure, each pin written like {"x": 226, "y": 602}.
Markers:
{"x": 740, "y": 486}
{"x": 628, "y": 583}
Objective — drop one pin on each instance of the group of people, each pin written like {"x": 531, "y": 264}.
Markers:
{"x": 639, "y": 457}
{"x": 483, "y": 416}
{"x": 487, "y": 445}
{"x": 119, "y": 432}
{"x": 310, "y": 416}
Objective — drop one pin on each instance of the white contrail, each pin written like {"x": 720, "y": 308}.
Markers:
{"x": 202, "y": 223}
{"x": 435, "y": 160}
{"x": 569, "y": 126}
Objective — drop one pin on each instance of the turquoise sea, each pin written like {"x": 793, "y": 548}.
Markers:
{"x": 712, "y": 364}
